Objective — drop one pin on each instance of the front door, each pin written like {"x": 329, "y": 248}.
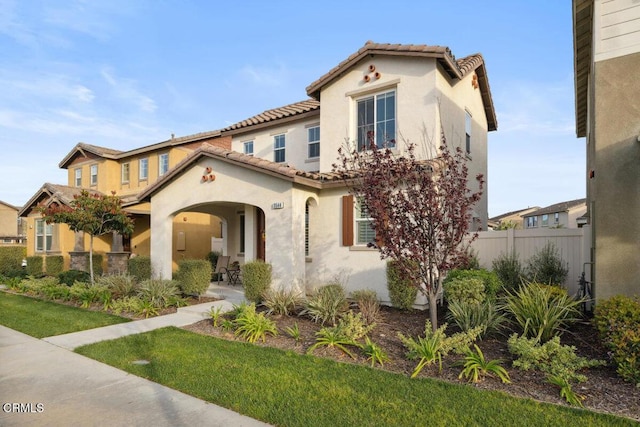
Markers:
{"x": 261, "y": 236}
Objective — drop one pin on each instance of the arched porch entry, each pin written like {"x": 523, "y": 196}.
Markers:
{"x": 234, "y": 229}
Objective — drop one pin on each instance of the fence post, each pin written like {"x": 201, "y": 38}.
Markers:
{"x": 511, "y": 240}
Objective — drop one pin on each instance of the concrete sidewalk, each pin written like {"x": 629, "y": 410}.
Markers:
{"x": 42, "y": 383}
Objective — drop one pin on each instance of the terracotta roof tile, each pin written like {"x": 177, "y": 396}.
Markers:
{"x": 291, "y": 110}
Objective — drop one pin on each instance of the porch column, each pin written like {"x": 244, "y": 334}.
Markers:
{"x": 78, "y": 245}
{"x": 250, "y": 232}
{"x": 161, "y": 245}
{"x": 116, "y": 242}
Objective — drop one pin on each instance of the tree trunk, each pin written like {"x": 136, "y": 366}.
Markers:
{"x": 433, "y": 310}
{"x": 91, "y": 258}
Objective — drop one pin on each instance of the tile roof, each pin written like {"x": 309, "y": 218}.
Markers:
{"x": 61, "y": 193}
{"x": 109, "y": 153}
{"x": 456, "y": 69}
{"x": 508, "y": 214}
{"x": 288, "y": 111}
{"x": 559, "y": 207}
{"x": 282, "y": 170}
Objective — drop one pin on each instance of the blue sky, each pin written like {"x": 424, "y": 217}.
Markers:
{"x": 128, "y": 73}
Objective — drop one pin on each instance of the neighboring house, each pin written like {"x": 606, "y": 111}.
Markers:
{"x": 11, "y": 227}
{"x": 102, "y": 171}
{"x": 511, "y": 219}
{"x": 607, "y": 85}
{"x": 274, "y": 188}
{"x": 559, "y": 215}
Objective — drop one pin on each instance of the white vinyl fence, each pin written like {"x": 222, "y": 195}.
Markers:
{"x": 573, "y": 245}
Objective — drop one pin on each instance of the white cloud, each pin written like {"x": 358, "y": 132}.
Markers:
{"x": 125, "y": 89}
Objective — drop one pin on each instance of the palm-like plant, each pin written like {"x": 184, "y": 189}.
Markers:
{"x": 566, "y": 392}
{"x": 475, "y": 367}
{"x": 333, "y": 337}
{"x": 253, "y": 326}
{"x": 374, "y": 352}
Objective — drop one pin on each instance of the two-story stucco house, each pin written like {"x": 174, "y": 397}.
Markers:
{"x": 607, "y": 85}
{"x": 11, "y": 227}
{"x": 274, "y": 189}
{"x": 102, "y": 171}
{"x": 559, "y": 215}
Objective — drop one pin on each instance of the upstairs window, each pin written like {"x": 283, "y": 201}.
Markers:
{"x": 556, "y": 217}
{"x": 247, "y": 148}
{"x": 125, "y": 169}
{"x": 78, "y": 177}
{"x": 93, "y": 173}
{"x": 143, "y": 165}
{"x": 279, "y": 148}
{"x": 467, "y": 131}
{"x": 313, "y": 139}
{"x": 545, "y": 220}
{"x": 376, "y": 116}
{"x": 163, "y": 164}
{"x": 532, "y": 221}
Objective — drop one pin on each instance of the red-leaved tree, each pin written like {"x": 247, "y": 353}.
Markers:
{"x": 94, "y": 214}
{"x": 420, "y": 210}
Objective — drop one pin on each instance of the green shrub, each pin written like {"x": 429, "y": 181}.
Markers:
{"x": 327, "y": 304}
{"x": 402, "y": 291}
{"x": 464, "y": 289}
{"x": 468, "y": 315}
{"x": 489, "y": 279}
{"x": 541, "y": 311}
{"x": 282, "y": 302}
{"x": 618, "y": 322}
{"x": 547, "y": 266}
{"x": 552, "y": 358}
{"x": 140, "y": 268}
{"x": 509, "y": 270}
{"x": 120, "y": 285}
{"x": 86, "y": 294}
{"x": 193, "y": 276}
{"x": 333, "y": 337}
{"x": 11, "y": 259}
{"x": 54, "y": 265}
{"x": 368, "y": 304}
{"x": 160, "y": 293}
{"x": 253, "y": 326}
{"x": 354, "y": 326}
{"x": 35, "y": 266}
{"x": 71, "y": 276}
{"x": 256, "y": 278}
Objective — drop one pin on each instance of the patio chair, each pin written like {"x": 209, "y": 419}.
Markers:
{"x": 222, "y": 267}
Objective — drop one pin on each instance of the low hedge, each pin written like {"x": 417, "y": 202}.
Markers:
{"x": 53, "y": 265}
{"x": 402, "y": 291}
{"x": 256, "y": 278}
{"x": 193, "y": 276}
{"x": 140, "y": 268}
{"x": 490, "y": 279}
{"x": 618, "y": 322}
{"x": 11, "y": 259}
{"x": 35, "y": 266}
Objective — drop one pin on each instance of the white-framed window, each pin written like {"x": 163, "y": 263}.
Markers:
{"x": 365, "y": 234}
{"x": 556, "y": 217}
{"x": 467, "y": 131}
{"x": 376, "y": 118}
{"x": 143, "y": 169}
{"x": 279, "y": 148}
{"x": 545, "y": 220}
{"x": 93, "y": 173}
{"x": 532, "y": 221}
{"x": 313, "y": 139}
{"x": 163, "y": 163}
{"x": 247, "y": 148}
{"x": 44, "y": 235}
{"x": 78, "y": 177}
{"x": 125, "y": 169}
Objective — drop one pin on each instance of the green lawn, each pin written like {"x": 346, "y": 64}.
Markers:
{"x": 286, "y": 389}
{"x": 40, "y": 318}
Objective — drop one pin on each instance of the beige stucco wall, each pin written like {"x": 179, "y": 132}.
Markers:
{"x": 8, "y": 220}
{"x": 615, "y": 189}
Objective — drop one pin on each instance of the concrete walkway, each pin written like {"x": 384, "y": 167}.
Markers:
{"x": 42, "y": 383}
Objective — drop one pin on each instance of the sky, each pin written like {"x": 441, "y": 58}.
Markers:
{"x": 124, "y": 74}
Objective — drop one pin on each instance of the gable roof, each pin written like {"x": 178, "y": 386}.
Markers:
{"x": 16, "y": 208}
{"x": 456, "y": 69}
{"x": 107, "y": 153}
{"x": 52, "y": 192}
{"x": 559, "y": 207}
{"x": 279, "y": 170}
{"x": 582, "y": 41}
{"x": 512, "y": 213}
{"x": 293, "y": 111}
